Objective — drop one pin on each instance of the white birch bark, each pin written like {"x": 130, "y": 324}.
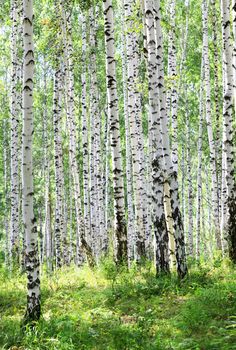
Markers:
{"x": 217, "y": 98}
{"x": 82, "y": 244}
{"x": 59, "y": 224}
{"x": 190, "y": 188}
{"x": 228, "y": 146}
{"x": 31, "y": 251}
{"x": 6, "y": 196}
{"x": 171, "y": 172}
{"x": 207, "y": 83}
{"x": 94, "y": 117}
{"x": 199, "y": 168}
{"x": 85, "y": 129}
{"x": 47, "y": 204}
{"x": 15, "y": 111}
{"x": 129, "y": 185}
{"x": 172, "y": 72}
{"x": 131, "y": 44}
{"x": 159, "y": 221}
{"x": 113, "y": 112}
{"x": 234, "y": 49}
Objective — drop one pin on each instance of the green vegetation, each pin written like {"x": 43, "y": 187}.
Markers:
{"x": 105, "y": 309}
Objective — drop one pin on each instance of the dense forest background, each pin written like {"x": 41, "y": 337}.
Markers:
{"x": 117, "y": 174}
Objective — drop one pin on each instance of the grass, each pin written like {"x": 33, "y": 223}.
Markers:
{"x": 109, "y": 310}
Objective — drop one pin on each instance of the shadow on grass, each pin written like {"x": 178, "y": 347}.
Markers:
{"x": 135, "y": 312}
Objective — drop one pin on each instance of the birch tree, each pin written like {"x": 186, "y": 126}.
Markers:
{"x": 207, "y": 83}
{"x": 171, "y": 172}
{"x": 228, "y": 146}
{"x": 132, "y": 76}
{"x": 15, "y": 111}
{"x": 159, "y": 221}
{"x": 113, "y": 111}
{"x": 31, "y": 251}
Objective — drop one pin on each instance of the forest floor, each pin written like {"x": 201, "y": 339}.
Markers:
{"x": 109, "y": 310}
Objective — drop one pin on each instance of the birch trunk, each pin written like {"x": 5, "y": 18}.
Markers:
{"x": 234, "y": 49}
{"x": 190, "y": 188}
{"x": 171, "y": 172}
{"x": 15, "y": 111}
{"x": 132, "y": 75}
{"x": 6, "y": 195}
{"x": 159, "y": 221}
{"x": 31, "y": 258}
{"x": 199, "y": 171}
{"x": 228, "y": 144}
{"x": 81, "y": 241}
{"x": 58, "y": 164}
{"x": 85, "y": 131}
{"x": 218, "y": 117}
{"x": 129, "y": 185}
{"x": 94, "y": 117}
{"x": 207, "y": 83}
{"x": 113, "y": 112}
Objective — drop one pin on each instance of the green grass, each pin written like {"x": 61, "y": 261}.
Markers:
{"x": 109, "y": 310}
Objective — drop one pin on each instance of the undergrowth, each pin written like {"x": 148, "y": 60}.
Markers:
{"x": 110, "y": 309}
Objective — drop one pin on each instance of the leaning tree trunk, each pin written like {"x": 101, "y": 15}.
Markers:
{"x": 113, "y": 112}
{"x": 228, "y": 132}
{"x": 31, "y": 251}
{"x": 171, "y": 172}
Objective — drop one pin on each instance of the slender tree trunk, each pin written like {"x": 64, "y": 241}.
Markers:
{"x": 234, "y": 49}
{"x": 132, "y": 76}
{"x": 6, "y": 194}
{"x": 15, "y": 111}
{"x": 31, "y": 259}
{"x": 171, "y": 172}
{"x": 129, "y": 185}
{"x": 85, "y": 131}
{"x": 199, "y": 171}
{"x": 218, "y": 141}
{"x": 59, "y": 220}
{"x": 228, "y": 146}
{"x": 68, "y": 48}
{"x": 113, "y": 111}
{"x": 213, "y": 164}
{"x": 159, "y": 221}
{"x": 190, "y": 188}
{"x": 94, "y": 117}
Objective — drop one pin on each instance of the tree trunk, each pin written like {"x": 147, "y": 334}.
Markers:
{"x": 15, "y": 111}
{"x": 159, "y": 221}
{"x": 213, "y": 164}
{"x": 171, "y": 172}
{"x": 132, "y": 76}
{"x": 113, "y": 111}
{"x": 31, "y": 259}
{"x": 228, "y": 144}
{"x": 199, "y": 168}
